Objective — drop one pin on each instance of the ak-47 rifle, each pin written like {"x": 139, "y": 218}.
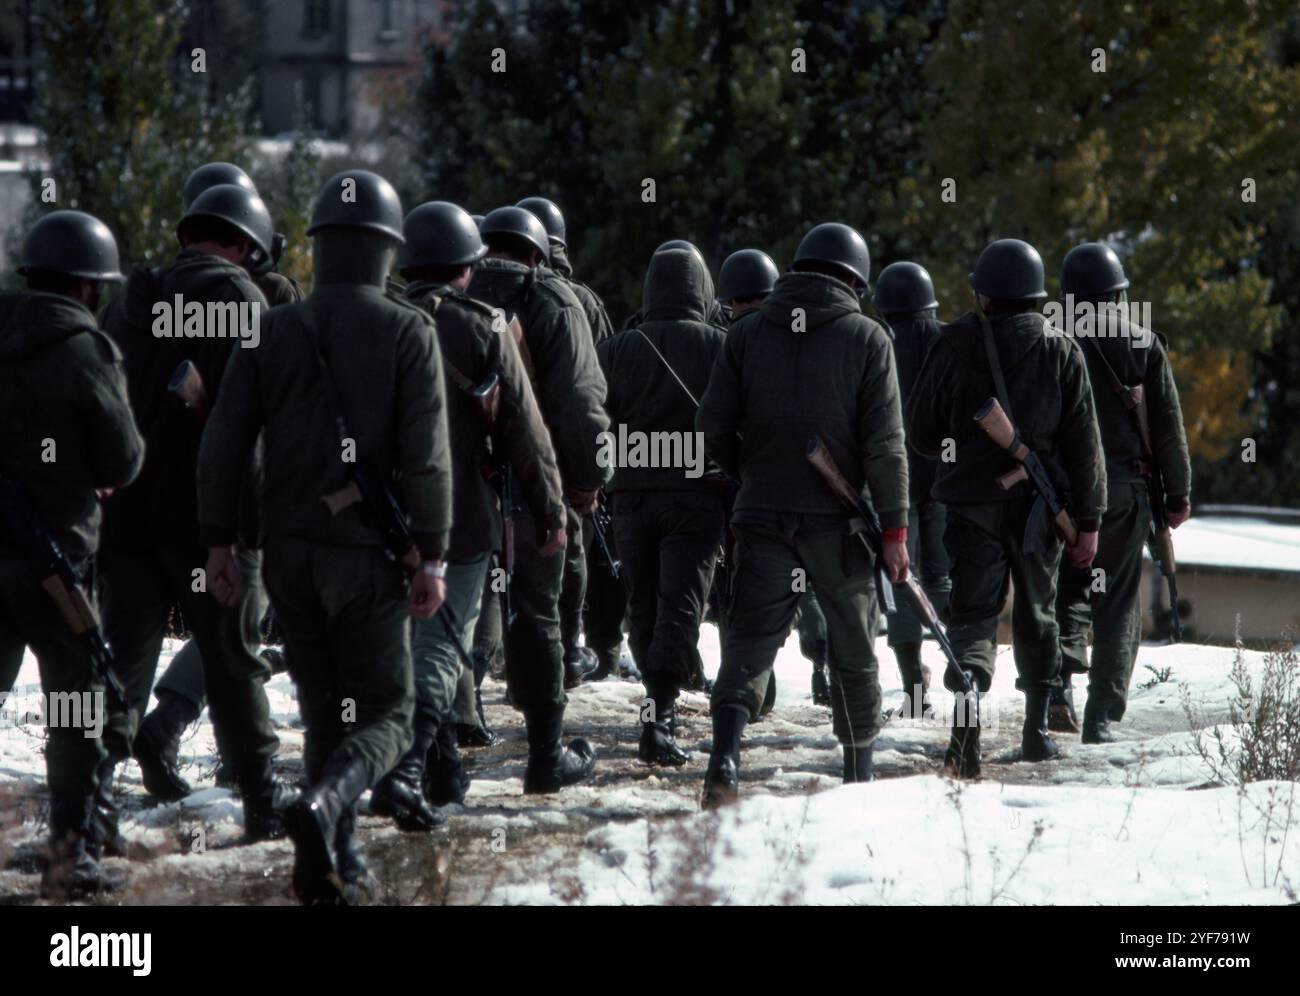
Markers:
{"x": 993, "y": 420}
{"x": 1159, "y": 536}
{"x": 872, "y": 538}
{"x": 601, "y": 521}
{"x": 41, "y": 551}
{"x": 187, "y": 384}
{"x": 487, "y": 395}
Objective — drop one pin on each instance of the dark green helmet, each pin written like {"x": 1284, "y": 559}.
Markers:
{"x": 478, "y": 221}
{"x": 746, "y": 273}
{"x": 72, "y": 243}
{"x": 236, "y": 206}
{"x": 904, "y": 288}
{"x": 1009, "y": 270}
{"x": 832, "y": 242}
{"x": 439, "y": 233}
{"x": 549, "y": 215}
{"x": 358, "y": 198}
{"x": 213, "y": 175}
{"x": 520, "y": 223}
{"x": 1091, "y": 270}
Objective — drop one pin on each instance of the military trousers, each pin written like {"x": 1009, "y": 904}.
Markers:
{"x": 347, "y": 644}
{"x": 991, "y": 545}
{"x": 777, "y": 555}
{"x": 606, "y": 606}
{"x": 439, "y": 670}
{"x": 574, "y": 590}
{"x": 140, "y": 587}
{"x": 534, "y": 651}
{"x": 74, "y": 698}
{"x": 1107, "y": 596}
{"x": 930, "y": 564}
{"x": 668, "y": 541}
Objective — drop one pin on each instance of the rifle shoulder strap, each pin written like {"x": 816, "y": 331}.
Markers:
{"x": 995, "y": 366}
{"x": 327, "y": 381}
{"x": 669, "y": 367}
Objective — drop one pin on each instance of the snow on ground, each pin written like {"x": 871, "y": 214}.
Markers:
{"x": 1135, "y": 822}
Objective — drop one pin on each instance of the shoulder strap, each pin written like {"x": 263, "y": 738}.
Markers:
{"x": 995, "y": 367}
{"x": 668, "y": 366}
{"x": 331, "y": 398}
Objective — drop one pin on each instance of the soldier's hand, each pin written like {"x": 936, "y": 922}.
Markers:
{"x": 224, "y": 583}
{"x": 896, "y": 561}
{"x": 552, "y": 542}
{"x": 583, "y": 502}
{"x": 1084, "y": 549}
{"x": 1177, "y": 518}
{"x": 427, "y": 595}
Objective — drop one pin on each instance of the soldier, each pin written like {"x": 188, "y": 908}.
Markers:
{"x": 62, "y": 385}
{"x": 152, "y": 559}
{"x": 807, "y": 363}
{"x": 438, "y": 257}
{"x": 180, "y": 693}
{"x": 555, "y": 344}
{"x": 668, "y": 519}
{"x": 548, "y": 213}
{"x": 717, "y": 313}
{"x": 1007, "y": 350}
{"x": 1120, "y": 355}
{"x": 346, "y": 383}
{"x": 904, "y": 296}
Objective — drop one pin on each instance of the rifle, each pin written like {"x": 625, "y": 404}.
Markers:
{"x": 487, "y": 395}
{"x": 48, "y": 563}
{"x": 187, "y": 384}
{"x": 1159, "y": 536}
{"x": 993, "y": 420}
{"x": 872, "y": 538}
{"x": 601, "y": 520}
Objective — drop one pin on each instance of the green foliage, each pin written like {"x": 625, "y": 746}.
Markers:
{"x": 124, "y": 117}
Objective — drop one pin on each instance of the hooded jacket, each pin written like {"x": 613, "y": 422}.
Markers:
{"x": 912, "y": 336}
{"x": 567, "y": 381}
{"x": 474, "y": 348}
{"x": 808, "y": 362}
{"x": 63, "y": 394}
{"x": 592, "y": 307}
{"x": 643, "y": 397}
{"x": 1052, "y": 408}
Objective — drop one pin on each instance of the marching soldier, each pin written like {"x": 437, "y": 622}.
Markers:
{"x": 555, "y": 345}
{"x": 745, "y": 280}
{"x": 180, "y": 693}
{"x": 549, "y": 214}
{"x": 995, "y": 536}
{"x": 152, "y": 555}
{"x": 668, "y": 520}
{"x": 807, "y": 363}
{"x": 1120, "y": 355}
{"x": 441, "y": 249}
{"x": 904, "y": 296}
{"x": 62, "y": 391}
{"x": 348, "y": 387}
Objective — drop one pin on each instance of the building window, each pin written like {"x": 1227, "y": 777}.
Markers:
{"x": 315, "y": 17}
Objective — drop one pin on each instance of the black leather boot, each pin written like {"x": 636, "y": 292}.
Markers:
{"x": 915, "y": 676}
{"x": 359, "y": 886}
{"x": 722, "y": 778}
{"x": 312, "y": 822}
{"x": 1096, "y": 724}
{"x": 71, "y": 871}
{"x": 1061, "y": 717}
{"x": 399, "y": 793}
{"x": 658, "y": 745}
{"x": 1034, "y": 741}
{"x": 821, "y": 686}
{"x": 551, "y": 765}
{"x": 580, "y": 664}
{"x": 157, "y": 744}
{"x": 104, "y": 838}
{"x": 857, "y": 764}
{"x": 265, "y": 799}
{"x": 962, "y": 759}
{"x": 445, "y": 778}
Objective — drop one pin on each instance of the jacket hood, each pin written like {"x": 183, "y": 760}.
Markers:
{"x": 499, "y": 279}
{"x": 677, "y": 288}
{"x": 33, "y": 320}
{"x": 1016, "y": 336}
{"x": 823, "y": 298}
{"x": 560, "y": 260}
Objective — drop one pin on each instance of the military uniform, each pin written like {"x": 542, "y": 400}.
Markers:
{"x": 806, "y": 363}
{"x": 151, "y": 537}
{"x": 668, "y": 524}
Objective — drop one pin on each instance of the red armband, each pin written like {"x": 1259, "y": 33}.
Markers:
{"x": 898, "y": 535}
